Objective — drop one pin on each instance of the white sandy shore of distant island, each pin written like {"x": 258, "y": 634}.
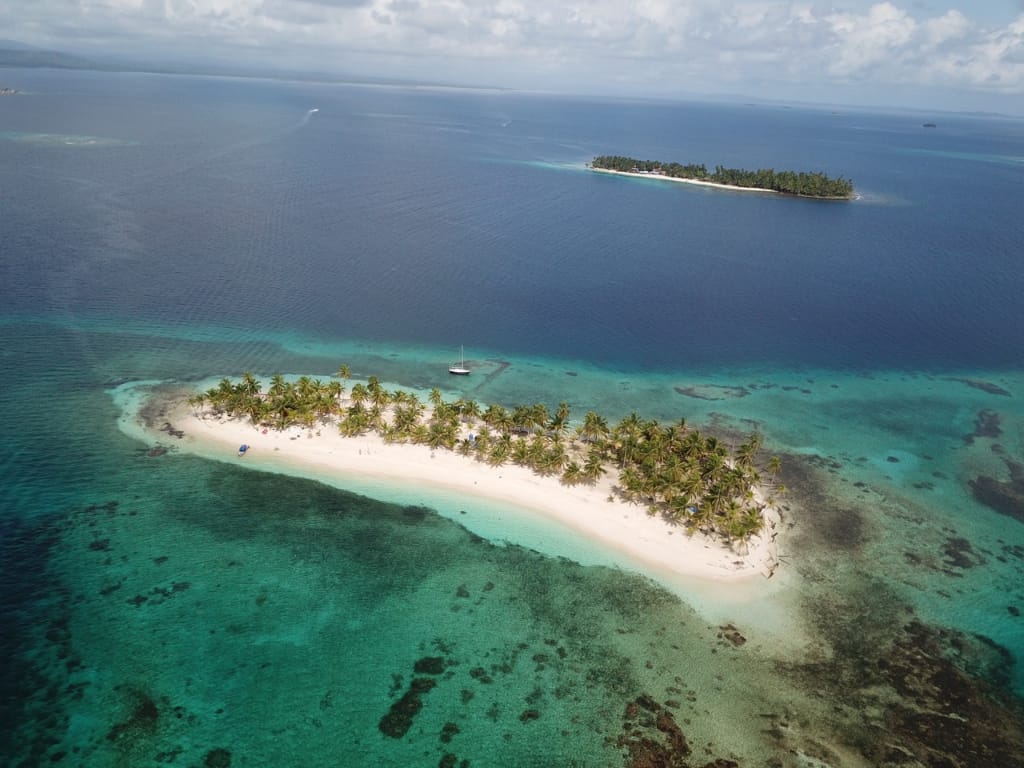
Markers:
{"x": 698, "y": 182}
{"x": 655, "y": 546}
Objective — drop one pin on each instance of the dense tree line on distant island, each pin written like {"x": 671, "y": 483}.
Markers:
{"x": 787, "y": 182}
{"x": 677, "y": 472}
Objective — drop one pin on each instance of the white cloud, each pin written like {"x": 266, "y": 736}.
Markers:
{"x": 862, "y": 41}
{"x": 649, "y": 45}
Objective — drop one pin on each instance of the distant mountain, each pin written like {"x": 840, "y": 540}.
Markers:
{"x": 14, "y": 54}
{"x": 14, "y": 45}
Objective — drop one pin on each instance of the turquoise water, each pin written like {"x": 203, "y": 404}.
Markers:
{"x": 171, "y": 610}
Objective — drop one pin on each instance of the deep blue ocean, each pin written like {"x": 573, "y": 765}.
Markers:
{"x": 177, "y": 228}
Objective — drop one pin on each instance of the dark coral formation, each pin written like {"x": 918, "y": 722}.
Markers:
{"x": 449, "y": 732}
{"x": 142, "y": 720}
{"x": 217, "y": 758}
{"x": 987, "y": 424}
{"x": 713, "y": 392}
{"x": 429, "y": 665}
{"x": 733, "y": 635}
{"x": 170, "y": 430}
{"x": 651, "y": 738}
{"x": 1006, "y": 498}
{"x": 939, "y": 697}
{"x": 960, "y": 554}
{"x": 397, "y": 722}
{"x": 984, "y": 386}
{"x": 946, "y": 717}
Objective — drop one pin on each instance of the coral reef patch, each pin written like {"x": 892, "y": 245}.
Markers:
{"x": 1004, "y": 497}
{"x": 713, "y": 392}
{"x": 397, "y": 722}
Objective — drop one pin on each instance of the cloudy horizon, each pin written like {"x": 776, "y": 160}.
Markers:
{"x": 938, "y": 54}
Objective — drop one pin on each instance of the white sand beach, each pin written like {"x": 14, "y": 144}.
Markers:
{"x": 653, "y": 545}
{"x": 698, "y": 182}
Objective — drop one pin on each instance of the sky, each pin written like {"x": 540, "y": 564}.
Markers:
{"x": 930, "y": 54}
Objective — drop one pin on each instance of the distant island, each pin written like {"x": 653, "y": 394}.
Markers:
{"x": 797, "y": 183}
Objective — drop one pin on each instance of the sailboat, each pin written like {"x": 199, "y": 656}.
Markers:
{"x": 459, "y": 368}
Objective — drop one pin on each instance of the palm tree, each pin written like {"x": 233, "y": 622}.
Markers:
{"x": 747, "y": 451}
{"x": 573, "y": 474}
{"x": 196, "y": 401}
{"x": 255, "y": 409}
{"x": 626, "y": 436}
{"x": 555, "y": 459}
{"x": 335, "y": 390}
{"x": 378, "y": 395}
{"x": 482, "y": 442}
{"x": 560, "y": 421}
{"x": 521, "y": 454}
{"x": 343, "y": 372}
{"x": 250, "y": 385}
{"x": 420, "y": 434}
{"x": 407, "y": 415}
{"x": 691, "y": 487}
{"x": 593, "y": 467}
{"x": 359, "y": 394}
{"x": 539, "y": 415}
{"x": 536, "y": 452}
{"x": 305, "y": 387}
{"x": 377, "y": 420}
{"x": 594, "y": 428}
{"x": 522, "y": 419}
{"x": 356, "y": 420}
{"x": 278, "y": 386}
{"x": 494, "y": 415}
{"x": 435, "y": 397}
{"x": 306, "y": 414}
{"x": 500, "y": 451}
{"x": 693, "y": 444}
{"x": 630, "y": 482}
{"x": 469, "y": 410}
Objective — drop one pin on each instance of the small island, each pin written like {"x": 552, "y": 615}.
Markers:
{"x": 628, "y": 486}
{"x": 794, "y": 183}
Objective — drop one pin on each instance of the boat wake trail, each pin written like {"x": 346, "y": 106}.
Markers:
{"x": 305, "y": 118}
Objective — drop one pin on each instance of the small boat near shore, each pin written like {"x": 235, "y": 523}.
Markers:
{"x": 459, "y": 368}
